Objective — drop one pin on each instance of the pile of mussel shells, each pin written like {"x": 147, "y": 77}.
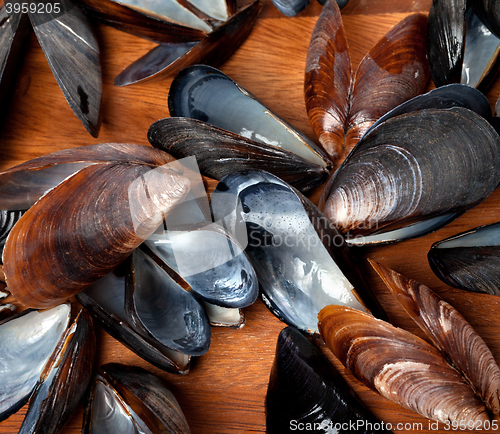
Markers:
{"x": 128, "y": 231}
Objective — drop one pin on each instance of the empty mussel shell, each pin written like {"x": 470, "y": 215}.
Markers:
{"x": 455, "y": 57}
{"x": 469, "y": 260}
{"x": 168, "y": 59}
{"x": 129, "y": 400}
{"x": 489, "y": 14}
{"x": 394, "y": 178}
{"x": 301, "y": 262}
{"x": 341, "y": 106}
{"x": 65, "y": 379}
{"x": 29, "y": 339}
{"x": 175, "y": 318}
{"x": 305, "y": 390}
{"x": 105, "y": 300}
{"x": 220, "y": 152}
{"x": 205, "y": 93}
{"x": 133, "y": 186}
{"x": 399, "y": 365}
{"x": 450, "y": 333}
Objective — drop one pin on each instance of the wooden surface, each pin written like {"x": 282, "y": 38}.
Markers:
{"x": 225, "y": 390}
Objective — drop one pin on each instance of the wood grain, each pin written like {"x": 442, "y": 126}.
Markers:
{"x": 225, "y": 390}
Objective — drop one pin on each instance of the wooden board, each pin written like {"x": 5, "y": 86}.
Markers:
{"x": 225, "y": 390}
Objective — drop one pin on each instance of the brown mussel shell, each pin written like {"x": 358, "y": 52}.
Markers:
{"x": 214, "y": 49}
{"x": 341, "y": 108}
{"x": 449, "y": 332}
{"x": 85, "y": 226}
{"x": 220, "y": 152}
{"x": 399, "y": 365}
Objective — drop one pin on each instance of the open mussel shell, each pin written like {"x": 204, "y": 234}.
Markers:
{"x": 65, "y": 379}
{"x": 306, "y": 390}
{"x": 400, "y": 366}
{"x": 168, "y": 59}
{"x": 340, "y": 107}
{"x": 469, "y": 260}
{"x": 206, "y": 94}
{"x": 220, "y": 152}
{"x": 105, "y": 300}
{"x": 461, "y": 49}
{"x": 449, "y": 332}
{"x": 29, "y": 339}
{"x": 114, "y": 206}
{"x": 140, "y": 23}
{"x": 394, "y": 178}
{"x": 301, "y": 262}
{"x": 129, "y": 400}
{"x": 175, "y": 318}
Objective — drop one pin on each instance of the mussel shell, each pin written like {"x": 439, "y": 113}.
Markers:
{"x": 72, "y": 51}
{"x": 220, "y": 152}
{"x": 446, "y": 40}
{"x": 469, "y": 260}
{"x": 105, "y": 300}
{"x": 341, "y": 107}
{"x": 205, "y": 93}
{"x": 91, "y": 243}
{"x": 450, "y": 332}
{"x": 298, "y": 275}
{"x": 147, "y": 26}
{"x": 214, "y": 49}
{"x": 211, "y": 262}
{"x": 395, "y": 176}
{"x": 65, "y": 380}
{"x": 290, "y": 8}
{"x": 304, "y": 388}
{"x": 400, "y": 366}
{"x": 447, "y": 96}
{"x": 489, "y": 13}
{"x": 29, "y": 338}
{"x": 481, "y": 61}
{"x": 142, "y": 398}
{"x": 160, "y": 308}
{"x": 14, "y": 32}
